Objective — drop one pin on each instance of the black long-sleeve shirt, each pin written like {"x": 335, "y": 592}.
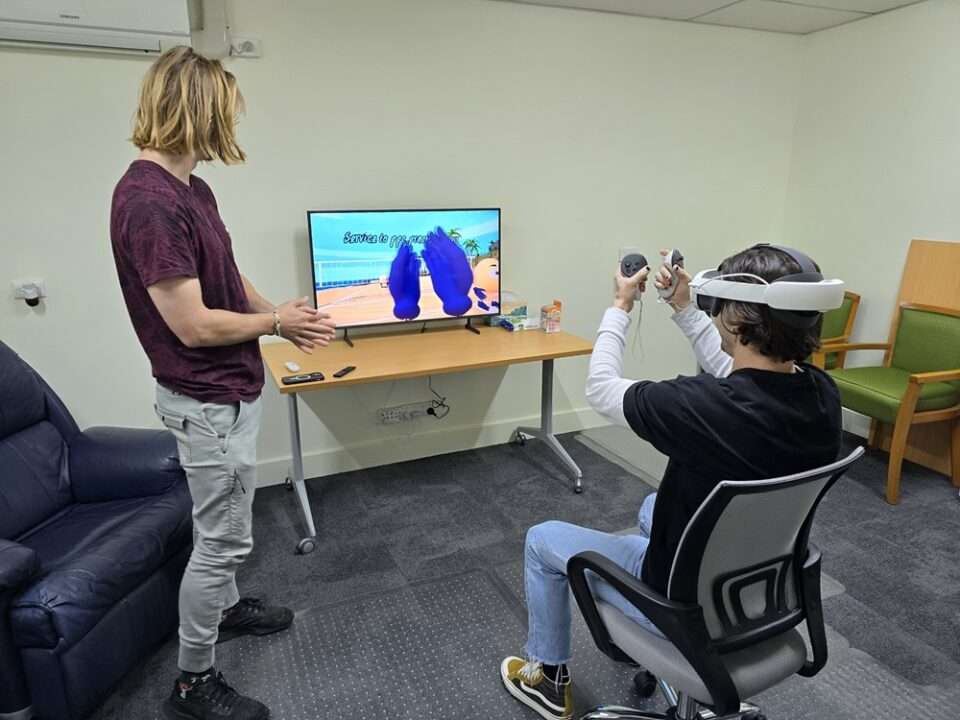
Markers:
{"x": 750, "y": 425}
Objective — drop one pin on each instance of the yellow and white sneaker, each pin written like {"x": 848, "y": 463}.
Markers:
{"x": 550, "y": 699}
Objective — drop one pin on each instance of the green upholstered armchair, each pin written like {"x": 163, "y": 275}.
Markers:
{"x": 837, "y": 328}
{"x": 919, "y": 382}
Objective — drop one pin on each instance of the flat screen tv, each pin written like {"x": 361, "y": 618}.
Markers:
{"x": 375, "y": 267}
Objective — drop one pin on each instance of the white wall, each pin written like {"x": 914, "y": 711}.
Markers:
{"x": 592, "y": 131}
{"x": 876, "y": 152}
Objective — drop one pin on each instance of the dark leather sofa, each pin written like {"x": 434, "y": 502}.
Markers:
{"x": 95, "y": 531}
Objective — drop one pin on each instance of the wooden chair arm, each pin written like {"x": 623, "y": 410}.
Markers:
{"x": 834, "y": 340}
{"x": 940, "y": 376}
{"x": 845, "y": 347}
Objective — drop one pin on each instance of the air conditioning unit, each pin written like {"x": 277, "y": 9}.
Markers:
{"x": 129, "y": 26}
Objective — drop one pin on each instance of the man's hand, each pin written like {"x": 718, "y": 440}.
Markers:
{"x": 628, "y": 287}
{"x": 304, "y": 326}
{"x": 681, "y": 296}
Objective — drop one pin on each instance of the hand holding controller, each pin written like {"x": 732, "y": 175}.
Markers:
{"x": 672, "y": 259}
{"x": 672, "y": 280}
{"x": 630, "y": 264}
{"x": 631, "y": 279}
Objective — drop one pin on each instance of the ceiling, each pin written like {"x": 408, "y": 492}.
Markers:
{"x": 788, "y": 16}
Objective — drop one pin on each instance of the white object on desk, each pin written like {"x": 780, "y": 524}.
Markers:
{"x": 291, "y": 366}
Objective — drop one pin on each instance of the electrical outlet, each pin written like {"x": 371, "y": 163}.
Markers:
{"x": 245, "y": 46}
{"x": 403, "y": 413}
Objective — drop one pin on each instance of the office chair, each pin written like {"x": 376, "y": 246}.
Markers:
{"x": 743, "y": 578}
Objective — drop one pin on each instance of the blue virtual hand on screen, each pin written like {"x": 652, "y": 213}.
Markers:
{"x": 404, "y": 283}
{"x": 450, "y": 272}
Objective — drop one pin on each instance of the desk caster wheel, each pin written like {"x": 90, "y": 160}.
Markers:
{"x": 288, "y": 484}
{"x": 306, "y": 546}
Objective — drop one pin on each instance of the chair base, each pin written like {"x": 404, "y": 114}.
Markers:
{"x": 621, "y": 712}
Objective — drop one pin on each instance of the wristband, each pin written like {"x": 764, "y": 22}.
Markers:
{"x": 276, "y": 323}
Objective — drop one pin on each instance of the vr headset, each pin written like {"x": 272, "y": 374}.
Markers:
{"x": 796, "y": 300}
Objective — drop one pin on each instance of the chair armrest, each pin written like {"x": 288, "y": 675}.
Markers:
{"x": 834, "y": 340}
{"x": 846, "y": 347}
{"x": 839, "y": 345}
{"x": 940, "y": 376}
{"x": 118, "y": 463}
{"x": 18, "y": 564}
{"x": 813, "y": 609}
{"x": 681, "y": 623}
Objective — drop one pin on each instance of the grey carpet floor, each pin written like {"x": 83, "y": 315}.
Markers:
{"x": 415, "y": 594}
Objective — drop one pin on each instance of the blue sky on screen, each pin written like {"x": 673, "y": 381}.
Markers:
{"x": 328, "y": 230}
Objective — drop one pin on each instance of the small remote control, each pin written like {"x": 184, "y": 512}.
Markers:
{"x": 671, "y": 260}
{"x": 345, "y": 371}
{"x": 305, "y": 378}
{"x": 631, "y": 262}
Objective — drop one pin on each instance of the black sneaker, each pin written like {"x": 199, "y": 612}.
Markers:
{"x": 210, "y": 698}
{"x": 525, "y": 680}
{"x": 251, "y": 617}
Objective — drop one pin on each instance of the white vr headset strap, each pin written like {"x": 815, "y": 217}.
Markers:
{"x": 780, "y": 295}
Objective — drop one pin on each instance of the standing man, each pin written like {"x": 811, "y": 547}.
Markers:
{"x": 199, "y": 321}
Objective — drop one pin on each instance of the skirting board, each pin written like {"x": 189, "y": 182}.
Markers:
{"x": 419, "y": 444}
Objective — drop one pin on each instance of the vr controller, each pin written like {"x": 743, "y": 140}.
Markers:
{"x": 633, "y": 261}
{"x": 673, "y": 259}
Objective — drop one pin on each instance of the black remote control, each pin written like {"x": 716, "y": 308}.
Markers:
{"x": 304, "y": 378}
{"x": 345, "y": 371}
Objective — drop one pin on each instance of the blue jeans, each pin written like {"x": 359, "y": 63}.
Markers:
{"x": 548, "y": 548}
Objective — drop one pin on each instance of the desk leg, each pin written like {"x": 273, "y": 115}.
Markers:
{"x": 545, "y": 431}
{"x": 309, "y": 543}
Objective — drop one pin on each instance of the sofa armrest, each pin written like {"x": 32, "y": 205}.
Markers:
{"x": 118, "y": 463}
{"x": 18, "y": 564}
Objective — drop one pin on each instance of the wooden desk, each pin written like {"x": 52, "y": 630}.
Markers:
{"x": 408, "y": 355}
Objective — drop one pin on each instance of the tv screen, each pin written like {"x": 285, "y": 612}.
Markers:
{"x": 373, "y": 267}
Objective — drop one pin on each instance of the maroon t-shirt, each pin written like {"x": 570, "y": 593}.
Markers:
{"x": 160, "y": 229}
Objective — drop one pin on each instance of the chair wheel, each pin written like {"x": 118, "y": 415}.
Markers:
{"x": 519, "y": 439}
{"x": 753, "y": 715}
{"x": 645, "y": 684}
{"x": 306, "y": 546}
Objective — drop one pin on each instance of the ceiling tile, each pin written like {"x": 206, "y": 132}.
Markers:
{"x": 671, "y": 9}
{"x": 868, "y": 6}
{"x": 778, "y": 16}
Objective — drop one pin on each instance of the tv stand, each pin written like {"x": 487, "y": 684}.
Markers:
{"x": 469, "y": 326}
{"x": 346, "y": 337}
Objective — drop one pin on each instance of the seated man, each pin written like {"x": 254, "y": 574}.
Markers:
{"x": 758, "y": 411}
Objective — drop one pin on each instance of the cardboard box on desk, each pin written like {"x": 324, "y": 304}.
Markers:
{"x": 518, "y": 322}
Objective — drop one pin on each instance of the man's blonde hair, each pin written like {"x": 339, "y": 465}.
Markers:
{"x": 189, "y": 103}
